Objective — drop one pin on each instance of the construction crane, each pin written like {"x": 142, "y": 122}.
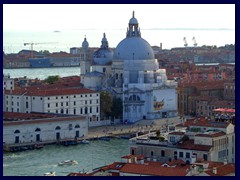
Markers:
{"x": 185, "y": 42}
{"x": 194, "y": 42}
{"x": 36, "y": 44}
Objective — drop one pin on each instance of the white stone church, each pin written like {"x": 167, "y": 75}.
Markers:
{"x": 132, "y": 73}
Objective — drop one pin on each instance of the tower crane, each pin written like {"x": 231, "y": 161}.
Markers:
{"x": 194, "y": 42}
{"x": 185, "y": 42}
{"x": 31, "y": 44}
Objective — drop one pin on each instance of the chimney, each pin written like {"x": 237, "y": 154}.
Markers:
{"x": 214, "y": 170}
{"x": 225, "y": 161}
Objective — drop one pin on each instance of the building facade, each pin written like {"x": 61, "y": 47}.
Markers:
{"x": 60, "y": 101}
{"x": 20, "y": 128}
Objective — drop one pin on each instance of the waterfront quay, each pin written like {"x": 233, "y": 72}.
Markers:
{"x": 108, "y": 131}
{"x": 126, "y": 130}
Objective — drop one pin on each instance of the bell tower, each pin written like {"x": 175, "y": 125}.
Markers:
{"x": 84, "y": 61}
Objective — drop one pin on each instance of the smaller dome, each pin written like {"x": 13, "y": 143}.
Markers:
{"x": 133, "y": 20}
{"x": 85, "y": 43}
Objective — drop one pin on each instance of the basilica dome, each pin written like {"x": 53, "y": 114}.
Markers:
{"x": 133, "y": 47}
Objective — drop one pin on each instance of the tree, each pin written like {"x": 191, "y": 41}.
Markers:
{"x": 105, "y": 103}
{"x": 52, "y": 79}
{"x": 117, "y": 107}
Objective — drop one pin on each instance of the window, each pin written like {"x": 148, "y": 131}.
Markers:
{"x": 12, "y": 103}
{"x": 172, "y": 139}
{"x": 17, "y": 109}
{"x": 151, "y": 153}
{"x": 85, "y": 102}
{"x": 74, "y": 96}
{"x": 97, "y": 94}
{"x": 97, "y": 109}
{"x": 61, "y": 103}
{"x": 74, "y": 111}
{"x": 26, "y": 104}
{"x": 33, "y": 98}
{"x": 90, "y": 95}
{"x": 62, "y": 111}
{"x": 163, "y": 153}
{"x": 86, "y": 110}
{"x": 66, "y": 103}
{"x": 70, "y": 127}
{"x": 56, "y": 104}
{"x": 74, "y": 103}
{"x": 85, "y": 95}
{"x": 81, "y": 111}
{"x": 48, "y": 104}
{"x": 17, "y": 103}
{"x": 77, "y": 126}
{"x": 90, "y": 101}
{"x": 40, "y": 98}
{"x": 205, "y": 157}
{"x": 181, "y": 154}
{"x": 48, "y": 98}
{"x": 61, "y": 97}
{"x": 66, "y": 111}
{"x": 90, "y": 109}
{"x": 57, "y": 128}
{"x": 81, "y": 95}
{"x": 56, "y": 111}
{"x": 97, "y": 100}
{"x": 37, "y": 129}
{"x": 67, "y": 97}
{"x": 56, "y": 97}
{"x": 187, "y": 155}
{"x": 17, "y": 131}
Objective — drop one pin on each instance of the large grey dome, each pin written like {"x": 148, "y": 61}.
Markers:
{"x": 133, "y": 48}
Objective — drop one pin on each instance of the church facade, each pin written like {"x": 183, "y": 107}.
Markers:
{"x": 133, "y": 73}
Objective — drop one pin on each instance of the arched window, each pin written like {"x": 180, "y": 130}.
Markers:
{"x": 57, "y": 128}
{"x": 134, "y": 98}
{"x": 77, "y": 126}
{"x": 17, "y": 131}
{"x": 37, "y": 130}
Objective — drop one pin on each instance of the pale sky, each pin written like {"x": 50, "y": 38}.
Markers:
{"x": 49, "y": 17}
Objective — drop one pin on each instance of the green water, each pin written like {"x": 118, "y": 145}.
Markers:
{"x": 89, "y": 156}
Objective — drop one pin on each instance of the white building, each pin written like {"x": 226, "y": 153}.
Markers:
{"x": 8, "y": 82}
{"x": 101, "y": 69}
{"x": 211, "y": 141}
{"x": 146, "y": 92}
{"x": 19, "y": 128}
{"x": 75, "y": 101}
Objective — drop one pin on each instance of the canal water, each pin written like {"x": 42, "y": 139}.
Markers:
{"x": 42, "y": 73}
{"x": 89, "y": 156}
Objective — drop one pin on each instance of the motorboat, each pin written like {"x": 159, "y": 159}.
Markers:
{"x": 84, "y": 141}
{"x": 68, "y": 162}
{"x": 51, "y": 173}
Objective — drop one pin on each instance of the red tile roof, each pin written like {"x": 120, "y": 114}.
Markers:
{"x": 216, "y": 134}
{"x": 155, "y": 170}
{"x": 14, "y": 118}
{"x": 177, "y": 133}
{"x": 203, "y": 122}
{"x": 49, "y": 92}
{"x": 223, "y": 170}
{"x": 189, "y": 144}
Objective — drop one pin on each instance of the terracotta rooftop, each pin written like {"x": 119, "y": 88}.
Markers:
{"x": 147, "y": 169}
{"x": 189, "y": 144}
{"x": 177, "y": 133}
{"x": 49, "y": 92}
{"x": 216, "y": 134}
{"x": 223, "y": 170}
{"x": 203, "y": 122}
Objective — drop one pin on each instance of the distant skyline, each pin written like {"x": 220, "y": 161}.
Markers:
{"x": 64, "y": 17}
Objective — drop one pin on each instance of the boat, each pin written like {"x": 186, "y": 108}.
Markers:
{"x": 105, "y": 138}
{"x": 51, "y": 173}
{"x": 68, "y": 162}
{"x": 84, "y": 141}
